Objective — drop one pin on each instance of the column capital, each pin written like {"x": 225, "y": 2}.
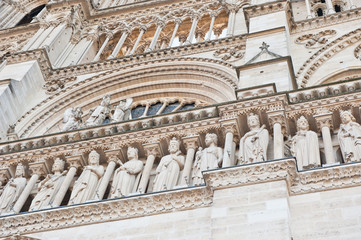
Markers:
{"x": 230, "y": 126}
{"x": 38, "y": 168}
{"x": 232, "y": 7}
{"x": 161, "y": 23}
{"x": 153, "y": 149}
{"x": 191, "y": 142}
{"x": 143, "y": 28}
{"x": 178, "y": 21}
{"x": 75, "y": 161}
{"x": 112, "y": 155}
{"x": 324, "y": 120}
{"x": 278, "y": 116}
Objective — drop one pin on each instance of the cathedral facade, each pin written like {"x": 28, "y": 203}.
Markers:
{"x": 180, "y": 119}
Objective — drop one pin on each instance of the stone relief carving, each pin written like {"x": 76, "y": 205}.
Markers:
{"x": 72, "y": 119}
{"x": 253, "y": 145}
{"x": 169, "y": 168}
{"x": 54, "y": 85}
{"x": 127, "y": 176}
{"x": 100, "y": 113}
{"x": 122, "y": 111}
{"x": 209, "y": 158}
{"x": 48, "y": 188}
{"x": 357, "y": 52}
{"x": 349, "y": 136}
{"x": 85, "y": 187}
{"x": 315, "y": 40}
{"x": 304, "y": 146}
{"x": 12, "y": 190}
{"x": 233, "y": 53}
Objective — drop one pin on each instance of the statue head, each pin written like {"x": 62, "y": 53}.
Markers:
{"x": 347, "y": 117}
{"x": 20, "y": 170}
{"x": 94, "y": 158}
{"x": 173, "y": 145}
{"x": 106, "y": 100}
{"x": 211, "y": 138}
{"x": 58, "y": 165}
{"x": 302, "y": 124}
{"x": 253, "y": 120}
{"x": 132, "y": 153}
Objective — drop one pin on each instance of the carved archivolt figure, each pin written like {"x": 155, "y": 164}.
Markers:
{"x": 86, "y": 185}
{"x": 100, "y": 113}
{"x": 127, "y": 175}
{"x": 49, "y": 187}
{"x": 349, "y": 136}
{"x": 122, "y": 111}
{"x": 169, "y": 168}
{"x": 209, "y": 158}
{"x": 72, "y": 119}
{"x": 253, "y": 145}
{"x": 304, "y": 146}
{"x": 12, "y": 190}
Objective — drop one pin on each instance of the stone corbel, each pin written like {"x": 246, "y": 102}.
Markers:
{"x": 191, "y": 144}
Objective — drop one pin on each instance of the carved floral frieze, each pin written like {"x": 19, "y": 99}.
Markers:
{"x": 315, "y": 40}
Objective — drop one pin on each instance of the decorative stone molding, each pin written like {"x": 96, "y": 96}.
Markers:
{"x": 315, "y": 40}
{"x": 230, "y": 54}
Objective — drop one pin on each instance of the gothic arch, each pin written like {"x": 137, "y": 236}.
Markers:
{"x": 206, "y": 80}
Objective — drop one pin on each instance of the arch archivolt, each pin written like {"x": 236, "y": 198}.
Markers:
{"x": 206, "y": 82}
{"x": 318, "y": 59}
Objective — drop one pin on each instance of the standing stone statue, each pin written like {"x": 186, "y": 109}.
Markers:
{"x": 349, "y": 136}
{"x": 100, "y": 113}
{"x": 304, "y": 146}
{"x": 86, "y": 185}
{"x": 253, "y": 145}
{"x": 48, "y": 188}
{"x": 122, "y": 111}
{"x": 127, "y": 175}
{"x": 12, "y": 190}
{"x": 169, "y": 168}
{"x": 209, "y": 158}
{"x": 72, "y": 119}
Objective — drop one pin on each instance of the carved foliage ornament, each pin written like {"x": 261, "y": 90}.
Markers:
{"x": 233, "y": 53}
{"x": 315, "y": 40}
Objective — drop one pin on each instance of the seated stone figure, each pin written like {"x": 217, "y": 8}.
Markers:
{"x": 169, "y": 168}
{"x": 85, "y": 187}
{"x": 349, "y": 137}
{"x": 304, "y": 146}
{"x": 253, "y": 145}
{"x": 127, "y": 175}
{"x": 12, "y": 190}
{"x": 209, "y": 158}
{"x": 49, "y": 187}
{"x": 100, "y": 113}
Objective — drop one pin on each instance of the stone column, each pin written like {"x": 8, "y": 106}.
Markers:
{"x": 232, "y": 8}
{"x": 152, "y": 151}
{"x": 4, "y": 176}
{"x": 308, "y": 9}
{"x": 112, "y": 158}
{"x": 142, "y": 30}
{"x": 209, "y": 34}
{"x": 177, "y": 23}
{"x": 325, "y": 124}
{"x": 230, "y": 127}
{"x": 195, "y": 19}
{"x": 277, "y": 121}
{"x": 191, "y": 143}
{"x": 329, "y": 5}
{"x": 120, "y": 43}
{"x": 74, "y": 163}
{"x": 101, "y": 49}
{"x": 38, "y": 169}
{"x": 160, "y": 26}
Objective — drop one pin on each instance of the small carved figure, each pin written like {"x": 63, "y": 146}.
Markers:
{"x": 12, "y": 190}
{"x": 127, "y": 175}
{"x": 122, "y": 111}
{"x": 349, "y": 136}
{"x": 209, "y": 158}
{"x": 169, "y": 168}
{"x": 48, "y": 188}
{"x": 304, "y": 146}
{"x": 72, "y": 119}
{"x": 253, "y": 145}
{"x": 86, "y": 185}
{"x": 100, "y": 113}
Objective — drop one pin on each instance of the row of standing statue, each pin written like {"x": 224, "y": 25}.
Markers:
{"x": 252, "y": 148}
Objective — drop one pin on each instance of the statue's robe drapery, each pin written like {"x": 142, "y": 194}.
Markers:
{"x": 306, "y": 149}
{"x": 124, "y": 180}
{"x": 49, "y": 187}
{"x": 168, "y": 172}
{"x": 253, "y": 146}
{"x": 11, "y": 193}
{"x": 86, "y": 185}
{"x": 349, "y": 137}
